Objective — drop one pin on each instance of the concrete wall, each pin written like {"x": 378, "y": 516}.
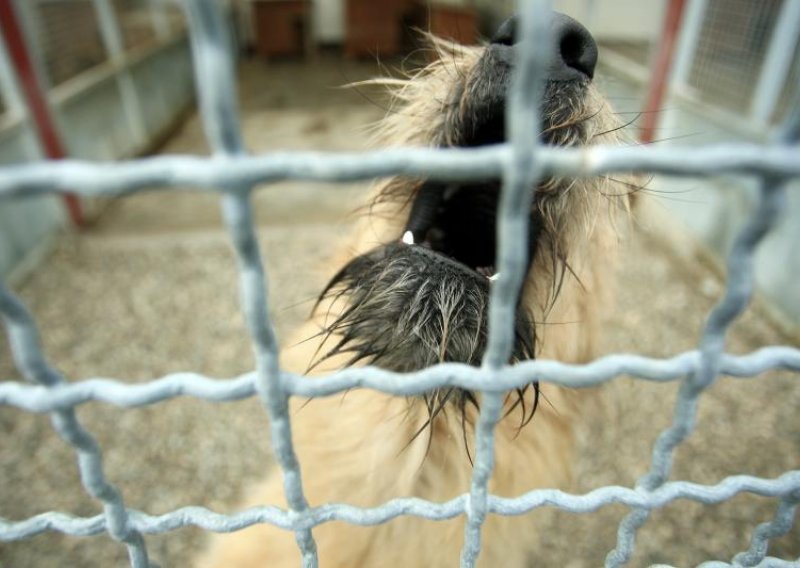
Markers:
{"x": 24, "y": 223}
{"x": 91, "y": 114}
{"x": 712, "y": 211}
{"x": 93, "y": 125}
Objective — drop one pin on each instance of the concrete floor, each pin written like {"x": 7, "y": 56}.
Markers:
{"x": 151, "y": 289}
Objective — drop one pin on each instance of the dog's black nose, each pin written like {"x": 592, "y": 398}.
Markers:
{"x": 575, "y": 49}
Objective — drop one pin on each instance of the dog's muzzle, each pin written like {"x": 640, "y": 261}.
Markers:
{"x": 409, "y": 308}
{"x": 481, "y": 100}
{"x": 574, "y": 54}
{"x": 459, "y": 220}
{"x": 423, "y": 298}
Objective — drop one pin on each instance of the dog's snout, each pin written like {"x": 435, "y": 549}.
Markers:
{"x": 575, "y": 53}
{"x": 576, "y": 49}
{"x": 507, "y": 32}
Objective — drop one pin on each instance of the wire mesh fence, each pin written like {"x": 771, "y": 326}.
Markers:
{"x": 730, "y": 51}
{"x": 233, "y": 173}
{"x": 735, "y": 46}
{"x": 72, "y": 42}
{"x": 78, "y": 36}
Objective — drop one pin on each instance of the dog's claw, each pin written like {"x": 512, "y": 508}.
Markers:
{"x": 408, "y": 238}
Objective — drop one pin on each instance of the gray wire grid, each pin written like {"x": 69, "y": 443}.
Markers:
{"x": 733, "y": 31}
{"x": 233, "y": 174}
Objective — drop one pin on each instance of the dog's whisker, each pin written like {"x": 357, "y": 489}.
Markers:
{"x": 669, "y": 139}
{"x": 288, "y": 307}
{"x": 620, "y": 127}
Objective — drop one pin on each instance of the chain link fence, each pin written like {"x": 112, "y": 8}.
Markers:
{"x": 744, "y": 58}
{"x": 233, "y": 174}
{"x": 79, "y": 35}
{"x": 731, "y": 48}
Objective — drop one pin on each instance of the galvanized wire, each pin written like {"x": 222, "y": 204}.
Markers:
{"x": 38, "y": 399}
{"x": 785, "y": 485}
{"x": 215, "y": 84}
{"x": 27, "y": 351}
{"x": 520, "y": 173}
{"x": 233, "y": 173}
{"x": 738, "y": 292}
{"x": 185, "y": 173}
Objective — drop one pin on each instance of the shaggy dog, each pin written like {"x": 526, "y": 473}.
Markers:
{"x": 411, "y": 290}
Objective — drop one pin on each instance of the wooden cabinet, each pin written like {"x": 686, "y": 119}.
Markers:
{"x": 381, "y": 28}
{"x": 456, "y": 23}
{"x": 282, "y": 27}
{"x": 374, "y": 28}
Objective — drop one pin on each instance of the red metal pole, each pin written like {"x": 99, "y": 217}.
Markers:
{"x": 662, "y": 67}
{"x": 35, "y": 97}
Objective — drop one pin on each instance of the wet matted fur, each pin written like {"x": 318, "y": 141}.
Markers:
{"x": 404, "y": 307}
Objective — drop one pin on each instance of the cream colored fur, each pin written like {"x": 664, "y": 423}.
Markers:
{"x": 353, "y": 447}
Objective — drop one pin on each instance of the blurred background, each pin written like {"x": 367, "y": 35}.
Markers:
{"x": 138, "y": 287}
{"x": 88, "y": 79}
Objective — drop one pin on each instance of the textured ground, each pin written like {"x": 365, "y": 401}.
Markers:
{"x": 151, "y": 289}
